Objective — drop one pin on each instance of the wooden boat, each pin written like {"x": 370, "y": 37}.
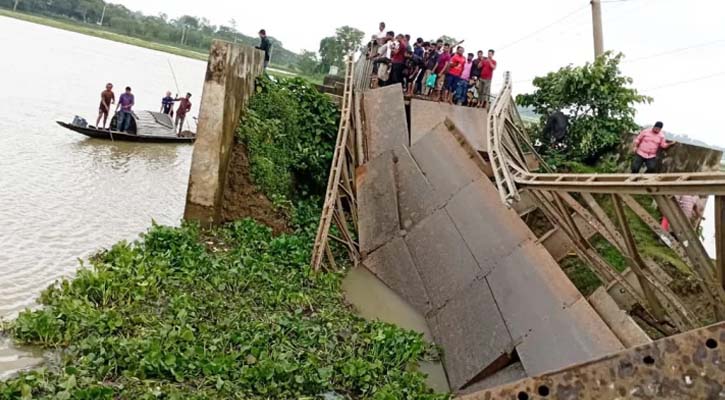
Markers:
{"x": 146, "y": 126}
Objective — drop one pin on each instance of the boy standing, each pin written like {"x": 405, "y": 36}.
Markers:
{"x": 167, "y": 105}
{"x": 441, "y": 69}
{"x": 107, "y": 98}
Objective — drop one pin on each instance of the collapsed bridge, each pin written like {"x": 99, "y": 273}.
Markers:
{"x": 436, "y": 194}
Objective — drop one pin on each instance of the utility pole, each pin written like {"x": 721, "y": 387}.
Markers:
{"x": 103, "y": 14}
{"x": 597, "y": 26}
{"x": 15, "y": 6}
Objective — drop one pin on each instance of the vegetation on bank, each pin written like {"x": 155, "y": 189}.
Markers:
{"x": 224, "y": 314}
{"x": 186, "y": 31}
{"x": 289, "y": 130}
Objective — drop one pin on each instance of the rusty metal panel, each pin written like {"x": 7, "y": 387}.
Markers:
{"x": 491, "y": 231}
{"x": 385, "y": 118}
{"x": 416, "y": 200}
{"x": 446, "y": 165}
{"x": 530, "y": 287}
{"x": 472, "y": 122}
{"x": 393, "y": 265}
{"x": 472, "y": 334}
{"x": 444, "y": 262}
{"x": 377, "y": 203}
{"x": 687, "y": 366}
{"x": 572, "y": 335}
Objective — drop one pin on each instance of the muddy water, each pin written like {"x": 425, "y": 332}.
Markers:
{"x": 375, "y": 301}
{"x": 64, "y": 196}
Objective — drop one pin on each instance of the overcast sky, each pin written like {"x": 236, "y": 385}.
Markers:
{"x": 642, "y": 29}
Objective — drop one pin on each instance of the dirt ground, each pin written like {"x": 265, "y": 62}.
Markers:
{"x": 242, "y": 199}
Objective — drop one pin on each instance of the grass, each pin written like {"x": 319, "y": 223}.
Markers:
{"x": 103, "y": 33}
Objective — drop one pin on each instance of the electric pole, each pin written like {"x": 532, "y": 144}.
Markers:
{"x": 103, "y": 14}
{"x": 597, "y": 26}
{"x": 15, "y": 6}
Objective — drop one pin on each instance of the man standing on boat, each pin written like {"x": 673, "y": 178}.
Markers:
{"x": 167, "y": 105}
{"x": 184, "y": 107}
{"x": 107, "y": 98}
{"x": 124, "y": 110}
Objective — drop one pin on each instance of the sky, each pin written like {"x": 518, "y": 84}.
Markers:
{"x": 531, "y": 38}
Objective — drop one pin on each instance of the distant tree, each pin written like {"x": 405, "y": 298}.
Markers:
{"x": 448, "y": 39}
{"x": 309, "y": 63}
{"x": 598, "y": 101}
{"x": 334, "y": 49}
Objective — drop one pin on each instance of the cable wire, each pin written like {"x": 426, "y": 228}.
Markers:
{"x": 697, "y": 79}
{"x": 528, "y": 36}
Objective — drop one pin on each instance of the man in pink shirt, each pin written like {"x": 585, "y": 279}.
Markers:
{"x": 646, "y": 146}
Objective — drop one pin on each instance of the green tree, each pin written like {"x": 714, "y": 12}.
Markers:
{"x": 448, "y": 39}
{"x": 308, "y": 63}
{"x": 598, "y": 100}
{"x": 333, "y": 49}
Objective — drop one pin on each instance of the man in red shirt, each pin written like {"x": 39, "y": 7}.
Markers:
{"x": 184, "y": 107}
{"x": 398, "y": 60}
{"x": 488, "y": 65}
{"x": 455, "y": 69}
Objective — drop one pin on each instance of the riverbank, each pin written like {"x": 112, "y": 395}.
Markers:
{"x": 100, "y": 32}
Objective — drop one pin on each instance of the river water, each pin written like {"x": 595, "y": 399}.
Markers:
{"x": 64, "y": 196}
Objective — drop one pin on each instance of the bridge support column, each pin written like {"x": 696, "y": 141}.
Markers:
{"x": 228, "y": 85}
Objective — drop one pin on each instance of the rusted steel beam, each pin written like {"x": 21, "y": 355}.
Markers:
{"x": 687, "y": 366}
{"x": 635, "y": 261}
{"x": 702, "y": 264}
{"x": 650, "y": 221}
{"x": 662, "y": 184}
{"x": 720, "y": 239}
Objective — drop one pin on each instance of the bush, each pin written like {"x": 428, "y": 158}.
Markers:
{"x": 290, "y": 132}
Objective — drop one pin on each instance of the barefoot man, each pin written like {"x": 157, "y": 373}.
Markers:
{"x": 107, "y": 98}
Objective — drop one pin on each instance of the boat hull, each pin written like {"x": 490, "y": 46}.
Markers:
{"x": 125, "y": 137}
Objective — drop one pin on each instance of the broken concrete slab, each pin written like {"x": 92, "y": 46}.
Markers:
{"x": 385, "y": 119}
{"x": 444, "y": 162}
{"x": 415, "y": 194}
{"x": 445, "y": 264}
{"x": 472, "y": 334}
{"x": 566, "y": 338}
{"x": 377, "y": 203}
{"x": 491, "y": 233}
{"x": 529, "y": 286}
{"x": 393, "y": 264}
{"x": 472, "y": 122}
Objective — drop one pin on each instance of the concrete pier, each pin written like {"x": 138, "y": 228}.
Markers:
{"x": 228, "y": 85}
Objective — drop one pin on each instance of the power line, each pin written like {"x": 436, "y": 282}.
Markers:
{"x": 697, "y": 79}
{"x": 528, "y": 36}
{"x": 674, "y": 51}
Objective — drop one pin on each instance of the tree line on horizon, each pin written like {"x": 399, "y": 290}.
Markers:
{"x": 186, "y": 31}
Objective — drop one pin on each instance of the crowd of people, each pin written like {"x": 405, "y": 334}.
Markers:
{"x": 126, "y": 102}
{"x": 432, "y": 69}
